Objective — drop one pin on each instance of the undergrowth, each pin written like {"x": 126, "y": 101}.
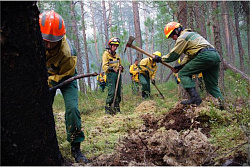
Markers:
{"x": 229, "y": 128}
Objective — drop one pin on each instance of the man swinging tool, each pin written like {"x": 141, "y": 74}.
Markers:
{"x": 200, "y": 56}
{"x": 112, "y": 66}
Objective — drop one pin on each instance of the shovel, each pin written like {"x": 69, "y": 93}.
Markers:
{"x": 112, "y": 107}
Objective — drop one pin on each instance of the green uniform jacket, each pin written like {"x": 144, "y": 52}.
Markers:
{"x": 147, "y": 64}
{"x": 60, "y": 62}
{"x": 188, "y": 43}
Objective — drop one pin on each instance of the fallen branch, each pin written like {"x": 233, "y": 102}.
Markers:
{"x": 227, "y": 65}
{"x": 72, "y": 79}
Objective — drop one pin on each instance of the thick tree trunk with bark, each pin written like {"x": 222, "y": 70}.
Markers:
{"x": 246, "y": 6}
{"x": 28, "y": 134}
{"x": 217, "y": 41}
{"x": 137, "y": 28}
{"x": 241, "y": 51}
{"x": 76, "y": 42}
{"x": 85, "y": 44}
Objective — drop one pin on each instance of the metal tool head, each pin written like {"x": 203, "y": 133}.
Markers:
{"x": 130, "y": 41}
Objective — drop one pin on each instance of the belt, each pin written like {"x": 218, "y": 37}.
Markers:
{"x": 205, "y": 49}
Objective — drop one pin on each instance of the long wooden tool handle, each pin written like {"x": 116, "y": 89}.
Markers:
{"x": 116, "y": 87}
{"x": 72, "y": 79}
{"x": 142, "y": 51}
{"x": 159, "y": 91}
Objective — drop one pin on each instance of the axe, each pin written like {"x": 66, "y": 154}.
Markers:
{"x": 129, "y": 44}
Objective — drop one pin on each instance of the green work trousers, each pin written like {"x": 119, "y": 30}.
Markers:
{"x": 135, "y": 87}
{"x": 207, "y": 62}
{"x": 111, "y": 80}
{"x": 102, "y": 86}
{"x": 72, "y": 115}
{"x": 145, "y": 85}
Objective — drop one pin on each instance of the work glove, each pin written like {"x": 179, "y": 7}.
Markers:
{"x": 178, "y": 67}
{"x": 153, "y": 81}
{"x": 157, "y": 59}
{"x": 121, "y": 68}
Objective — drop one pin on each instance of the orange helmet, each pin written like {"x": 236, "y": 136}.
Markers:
{"x": 169, "y": 28}
{"x": 52, "y": 26}
{"x": 114, "y": 41}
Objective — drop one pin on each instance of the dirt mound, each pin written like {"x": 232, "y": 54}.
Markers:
{"x": 173, "y": 139}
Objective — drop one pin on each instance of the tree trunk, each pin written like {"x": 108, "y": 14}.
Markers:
{"x": 182, "y": 17}
{"x": 217, "y": 41}
{"x": 105, "y": 23}
{"x": 85, "y": 44}
{"x": 191, "y": 15}
{"x": 241, "y": 51}
{"x": 146, "y": 28}
{"x": 246, "y": 10}
{"x": 95, "y": 39}
{"x": 182, "y": 14}
{"x": 76, "y": 41}
{"x": 28, "y": 134}
{"x": 137, "y": 28}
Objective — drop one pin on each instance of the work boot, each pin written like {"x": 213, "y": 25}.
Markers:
{"x": 107, "y": 110}
{"x": 221, "y": 104}
{"x": 117, "y": 109}
{"x": 194, "y": 97}
{"x": 77, "y": 154}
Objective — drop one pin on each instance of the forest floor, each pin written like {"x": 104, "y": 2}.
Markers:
{"x": 158, "y": 132}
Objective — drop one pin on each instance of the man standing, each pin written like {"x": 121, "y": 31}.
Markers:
{"x": 102, "y": 81}
{"x": 134, "y": 71}
{"x": 111, "y": 65}
{"x": 61, "y": 65}
{"x": 200, "y": 56}
{"x": 148, "y": 69}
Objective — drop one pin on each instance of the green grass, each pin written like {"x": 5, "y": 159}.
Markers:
{"x": 102, "y": 131}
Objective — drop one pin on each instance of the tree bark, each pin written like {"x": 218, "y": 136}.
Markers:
{"x": 182, "y": 14}
{"x": 137, "y": 28}
{"x": 246, "y": 10}
{"x": 95, "y": 38}
{"x": 76, "y": 42}
{"x": 146, "y": 28}
{"x": 85, "y": 43}
{"x": 28, "y": 136}
{"x": 241, "y": 51}
{"x": 105, "y": 23}
{"x": 217, "y": 41}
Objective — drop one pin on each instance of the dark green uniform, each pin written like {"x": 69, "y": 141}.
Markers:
{"x": 200, "y": 56}
{"x": 61, "y": 65}
{"x": 147, "y": 71}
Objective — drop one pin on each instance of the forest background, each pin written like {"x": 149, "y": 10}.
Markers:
{"x": 90, "y": 24}
{"x": 145, "y": 128}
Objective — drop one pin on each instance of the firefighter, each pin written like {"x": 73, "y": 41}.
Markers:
{"x": 61, "y": 65}
{"x": 111, "y": 65}
{"x": 200, "y": 56}
{"x": 147, "y": 72}
{"x": 102, "y": 81}
{"x": 134, "y": 71}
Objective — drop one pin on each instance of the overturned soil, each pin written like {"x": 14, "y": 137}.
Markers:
{"x": 178, "y": 138}
{"x": 173, "y": 139}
